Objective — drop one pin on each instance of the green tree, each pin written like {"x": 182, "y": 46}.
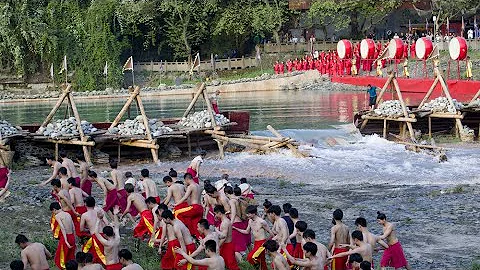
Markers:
{"x": 268, "y": 17}
{"x": 444, "y": 9}
{"x": 187, "y": 23}
{"x": 360, "y": 15}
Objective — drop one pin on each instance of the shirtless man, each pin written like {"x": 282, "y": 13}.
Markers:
{"x": 322, "y": 251}
{"x": 159, "y": 226}
{"x": 85, "y": 183}
{"x": 300, "y": 227}
{"x": 85, "y": 261}
{"x": 393, "y": 256}
{"x": 355, "y": 260}
{"x": 33, "y": 254}
{"x": 149, "y": 186}
{"x": 182, "y": 234}
{"x": 64, "y": 199}
{"x": 339, "y": 237}
{"x": 203, "y": 227}
{"x": 280, "y": 227}
{"x": 55, "y": 165}
{"x": 258, "y": 227}
{"x": 227, "y": 248}
{"x": 168, "y": 237}
{"x": 88, "y": 221}
{"x": 192, "y": 214}
{"x": 66, "y": 244}
{"x": 311, "y": 261}
{"x": 361, "y": 248}
{"x": 213, "y": 260}
{"x": 111, "y": 241}
{"x": 220, "y": 198}
{"x": 119, "y": 183}
{"x": 279, "y": 262}
{"x": 369, "y": 237}
{"x": 194, "y": 167}
{"x": 76, "y": 196}
{"x": 71, "y": 170}
{"x": 145, "y": 226}
{"x": 109, "y": 191}
{"x": 126, "y": 260}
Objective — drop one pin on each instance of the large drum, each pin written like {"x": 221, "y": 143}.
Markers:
{"x": 344, "y": 49}
{"x": 367, "y": 48}
{"x": 395, "y": 48}
{"x": 458, "y": 48}
{"x": 423, "y": 48}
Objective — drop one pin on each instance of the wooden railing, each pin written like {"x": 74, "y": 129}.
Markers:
{"x": 330, "y": 45}
{"x": 221, "y": 64}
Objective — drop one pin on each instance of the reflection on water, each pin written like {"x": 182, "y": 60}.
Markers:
{"x": 304, "y": 109}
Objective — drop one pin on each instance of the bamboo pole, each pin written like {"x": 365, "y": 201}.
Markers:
{"x": 447, "y": 94}
{"x": 385, "y": 86}
{"x": 71, "y": 142}
{"x": 291, "y": 147}
{"x": 474, "y": 98}
{"x": 429, "y": 92}
{"x": 404, "y": 109}
{"x": 133, "y": 95}
{"x": 147, "y": 128}
{"x": 57, "y": 105}
{"x": 194, "y": 100}
{"x": 151, "y": 146}
{"x": 86, "y": 152}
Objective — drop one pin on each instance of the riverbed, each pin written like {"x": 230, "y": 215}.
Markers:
{"x": 434, "y": 205}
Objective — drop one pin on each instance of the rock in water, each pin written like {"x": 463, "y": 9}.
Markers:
{"x": 390, "y": 108}
{"x": 7, "y": 129}
{"x": 66, "y": 127}
{"x": 202, "y": 119}
{"x": 137, "y": 127}
{"x": 441, "y": 104}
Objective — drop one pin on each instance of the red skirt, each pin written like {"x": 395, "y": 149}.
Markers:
{"x": 393, "y": 256}
{"x": 339, "y": 263}
{"x": 81, "y": 210}
{"x": 168, "y": 259}
{"x": 190, "y": 249}
{"x": 111, "y": 200}
{"x": 180, "y": 210}
{"x": 192, "y": 217}
{"x": 194, "y": 174}
{"x": 116, "y": 266}
{"x": 145, "y": 226}
{"x": 63, "y": 253}
{"x": 87, "y": 187}
{"x": 257, "y": 255}
{"x": 239, "y": 239}
{"x": 95, "y": 247}
{"x": 122, "y": 199}
{"x": 227, "y": 251}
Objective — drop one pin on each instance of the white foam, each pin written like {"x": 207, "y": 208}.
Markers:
{"x": 370, "y": 160}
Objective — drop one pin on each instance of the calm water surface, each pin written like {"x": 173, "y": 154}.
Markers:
{"x": 303, "y": 109}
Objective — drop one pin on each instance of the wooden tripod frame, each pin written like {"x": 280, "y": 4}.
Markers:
{"x": 455, "y": 115}
{"x": 67, "y": 94}
{"x": 202, "y": 91}
{"x": 150, "y": 142}
{"x": 406, "y": 119}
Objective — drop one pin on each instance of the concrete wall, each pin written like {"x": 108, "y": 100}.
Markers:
{"x": 223, "y": 64}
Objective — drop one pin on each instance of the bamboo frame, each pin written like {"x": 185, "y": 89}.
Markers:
{"x": 406, "y": 119}
{"x": 67, "y": 94}
{"x": 151, "y": 143}
{"x": 455, "y": 115}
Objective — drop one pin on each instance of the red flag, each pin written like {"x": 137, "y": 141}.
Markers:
{"x": 129, "y": 64}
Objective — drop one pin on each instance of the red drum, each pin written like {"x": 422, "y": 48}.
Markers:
{"x": 367, "y": 48}
{"x": 423, "y": 48}
{"x": 458, "y": 48}
{"x": 395, "y": 48}
{"x": 344, "y": 49}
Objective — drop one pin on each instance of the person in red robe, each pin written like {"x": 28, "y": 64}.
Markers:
{"x": 275, "y": 67}
{"x": 289, "y": 66}
{"x": 348, "y": 67}
{"x": 412, "y": 50}
{"x": 281, "y": 69}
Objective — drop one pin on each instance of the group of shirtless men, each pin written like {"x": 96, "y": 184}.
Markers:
{"x": 189, "y": 221}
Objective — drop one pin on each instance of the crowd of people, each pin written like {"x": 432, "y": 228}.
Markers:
{"x": 329, "y": 63}
{"x": 211, "y": 227}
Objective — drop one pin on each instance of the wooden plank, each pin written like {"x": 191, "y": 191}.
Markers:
{"x": 429, "y": 127}
{"x": 474, "y": 98}
{"x": 429, "y": 92}
{"x": 86, "y": 152}
{"x": 147, "y": 127}
{"x": 385, "y": 128}
{"x": 447, "y": 115}
{"x": 399, "y": 119}
{"x": 57, "y": 105}
{"x": 219, "y": 132}
{"x": 151, "y": 146}
{"x": 445, "y": 88}
{"x": 71, "y": 142}
{"x": 194, "y": 100}
{"x": 291, "y": 147}
{"x": 133, "y": 95}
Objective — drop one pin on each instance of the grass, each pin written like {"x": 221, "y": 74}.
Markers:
{"x": 231, "y": 75}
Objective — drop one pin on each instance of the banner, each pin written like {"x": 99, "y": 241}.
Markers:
{"x": 51, "y": 71}
{"x": 129, "y": 64}
{"x": 196, "y": 63}
{"x": 105, "y": 69}
{"x": 64, "y": 65}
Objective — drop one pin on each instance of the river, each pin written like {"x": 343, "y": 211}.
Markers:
{"x": 360, "y": 175}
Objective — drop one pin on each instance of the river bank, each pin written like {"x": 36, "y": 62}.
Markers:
{"x": 435, "y": 223}
{"x": 265, "y": 82}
